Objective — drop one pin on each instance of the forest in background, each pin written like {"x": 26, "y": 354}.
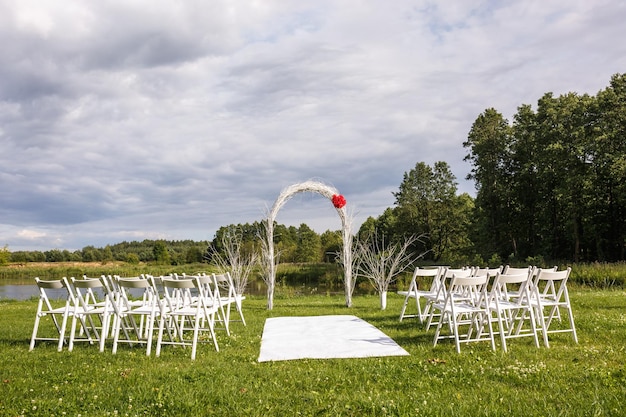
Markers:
{"x": 551, "y": 186}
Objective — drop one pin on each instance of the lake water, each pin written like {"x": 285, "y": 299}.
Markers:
{"x": 25, "y": 289}
{"x": 19, "y": 290}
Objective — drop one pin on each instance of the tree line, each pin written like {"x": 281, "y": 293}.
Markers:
{"x": 550, "y": 185}
{"x": 296, "y": 245}
{"x": 553, "y": 182}
{"x": 175, "y": 252}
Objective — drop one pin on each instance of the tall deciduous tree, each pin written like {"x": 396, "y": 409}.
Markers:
{"x": 489, "y": 145}
{"x": 427, "y": 206}
{"x": 609, "y": 162}
{"x": 309, "y": 245}
{"x": 161, "y": 255}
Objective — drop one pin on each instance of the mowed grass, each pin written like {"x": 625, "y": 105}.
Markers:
{"x": 585, "y": 379}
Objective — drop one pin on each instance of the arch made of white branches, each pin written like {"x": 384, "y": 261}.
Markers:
{"x": 270, "y": 258}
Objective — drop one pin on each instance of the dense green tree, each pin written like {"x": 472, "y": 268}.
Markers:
{"x": 91, "y": 254}
{"x": 54, "y": 255}
{"x": 5, "y": 255}
{"x": 331, "y": 245}
{"x": 368, "y": 228}
{"x": 608, "y": 157}
{"x": 286, "y": 242}
{"x": 21, "y": 256}
{"x": 309, "y": 246}
{"x": 427, "y": 206}
{"x": 132, "y": 258}
{"x": 38, "y": 256}
{"x": 525, "y": 184}
{"x": 489, "y": 145}
{"x": 107, "y": 254}
{"x": 161, "y": 254}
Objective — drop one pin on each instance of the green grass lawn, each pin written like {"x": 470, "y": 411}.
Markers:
{"x": 585, "y": 379}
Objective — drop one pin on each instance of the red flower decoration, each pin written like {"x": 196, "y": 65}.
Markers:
{"x": 338, "y": 201}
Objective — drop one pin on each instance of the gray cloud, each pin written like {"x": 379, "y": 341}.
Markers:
{"x": 125, "y": 120}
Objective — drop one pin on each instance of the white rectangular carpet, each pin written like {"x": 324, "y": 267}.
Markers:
{"x": 323, "y": 337}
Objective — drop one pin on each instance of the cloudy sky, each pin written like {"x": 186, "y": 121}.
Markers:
{"x": 146, "y": 119}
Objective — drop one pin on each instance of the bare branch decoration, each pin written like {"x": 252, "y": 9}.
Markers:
{"x": 381, "y": 264}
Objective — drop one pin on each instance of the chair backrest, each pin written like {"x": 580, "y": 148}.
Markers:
{"x": 435, "y": 272}
{"x": 469, "y": 289}
{"x": 207, "y": 283}
{"x": 447, "y": 274}
{"x": 178, "y": 284}
{"x": 224, "y": 280}
{"x": 513, "y": 278}
{"x": 177, "y": 292}
{"x": 44, "y": 298}
{"x": 488, "y": 271}
{"x": 133, "y": 283}
{"x": 551, "y": 284}
{"x": 86, "y": 283}
{"x": 459, "y": 272}
{"x": 427, "y": 272}
{"x": 508, "y": 270}
{"x": 511, "y": 287}
{"x": 130, "y": 288}
{"x": 83, "y": 290}
{"x": 56, "y": 284}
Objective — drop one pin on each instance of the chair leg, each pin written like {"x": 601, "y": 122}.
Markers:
{"x": 35, "y": 329}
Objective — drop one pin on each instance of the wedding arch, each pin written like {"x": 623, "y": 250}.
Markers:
{"x": 270, "y": 258}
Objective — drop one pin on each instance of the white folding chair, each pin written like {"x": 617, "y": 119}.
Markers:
{"x": 58, "y": 312}
{"x": 514, "y": 314}
{"x": 213, "y": 298}
{"x": 439, "y": 297}
{"x": 191, "y": 316}
{"x": 435, "y": 273}
{"x": 466, "y": 312}
{"x": 129, "y": 311}
{"x": 94, "y": 315}
{"x": 549, "y": 295}
{"x": 228, "y": 295}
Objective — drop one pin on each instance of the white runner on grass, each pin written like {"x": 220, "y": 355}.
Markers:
{"x": 323, "y": 337}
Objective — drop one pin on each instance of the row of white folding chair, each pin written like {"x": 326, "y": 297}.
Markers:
{"x": 172, "y": 300}
{"x": 471, "y": 303}
{"x": 467, "y": 296}
{"x": 134, "y": 317}
{"x": 208, "y": 282}
{"x": 536, "y": 301}
{"x": 93, "y": 314}
{"x": 524, "y": 311}
{"x": 221, "y": 288}
{"x": 210, "y": 286}
{"x": 435, "y": 292}
{"x": 78, "y": 302}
